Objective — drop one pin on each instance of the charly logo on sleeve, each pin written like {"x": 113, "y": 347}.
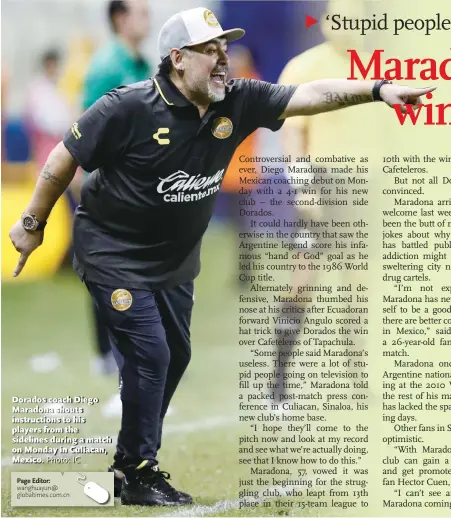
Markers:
{"x": 75, "y": 131}
{"x": 182, "y": 187}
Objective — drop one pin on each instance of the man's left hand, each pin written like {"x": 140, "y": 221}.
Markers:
{"x": 395, "y": 94}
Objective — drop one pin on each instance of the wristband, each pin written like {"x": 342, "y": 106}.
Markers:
{"x": 377, "y": 88}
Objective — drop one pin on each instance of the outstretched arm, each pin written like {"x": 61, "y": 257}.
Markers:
{"x": 332, "y": 94}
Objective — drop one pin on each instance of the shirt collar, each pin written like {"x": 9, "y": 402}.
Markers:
{"x": 170, "y": 94}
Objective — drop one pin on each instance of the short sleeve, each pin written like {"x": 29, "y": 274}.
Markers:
{"x": 98, "y": 137}
{"x": 265, "y": 103}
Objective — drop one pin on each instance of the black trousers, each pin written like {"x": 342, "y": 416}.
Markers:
{"x": 103, "y": 340}
{"x": 150, "y": 337}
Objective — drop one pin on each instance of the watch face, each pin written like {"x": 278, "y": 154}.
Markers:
{"x": 29, "y": 223}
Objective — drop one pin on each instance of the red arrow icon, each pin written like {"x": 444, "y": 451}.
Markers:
{"x": 309, "y": 21}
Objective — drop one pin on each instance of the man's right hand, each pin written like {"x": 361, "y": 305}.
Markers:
{"x": 25, "y": 243}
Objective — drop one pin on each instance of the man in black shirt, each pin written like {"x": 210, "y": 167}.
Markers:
{"x": 160, "y": 149}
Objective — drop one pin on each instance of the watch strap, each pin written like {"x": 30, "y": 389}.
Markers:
{"x": 40, "y": 225}
{"x": 376, "y": 91}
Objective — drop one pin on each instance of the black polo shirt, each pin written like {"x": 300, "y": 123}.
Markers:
{"x": 158, "y": 168}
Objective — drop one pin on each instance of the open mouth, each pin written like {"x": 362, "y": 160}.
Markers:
{"x": 218, "y": 78}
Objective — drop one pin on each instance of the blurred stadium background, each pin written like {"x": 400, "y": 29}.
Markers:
{"x": 47, "y": 328}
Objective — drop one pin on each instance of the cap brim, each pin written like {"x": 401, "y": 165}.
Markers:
{"x": 230, "y": 35}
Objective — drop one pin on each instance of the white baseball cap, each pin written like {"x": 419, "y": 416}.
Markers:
{"x": 192, "y": 27}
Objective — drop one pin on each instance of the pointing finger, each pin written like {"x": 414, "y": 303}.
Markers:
{"x": 417, "y": 92}
{"x": 20, "y": 264}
